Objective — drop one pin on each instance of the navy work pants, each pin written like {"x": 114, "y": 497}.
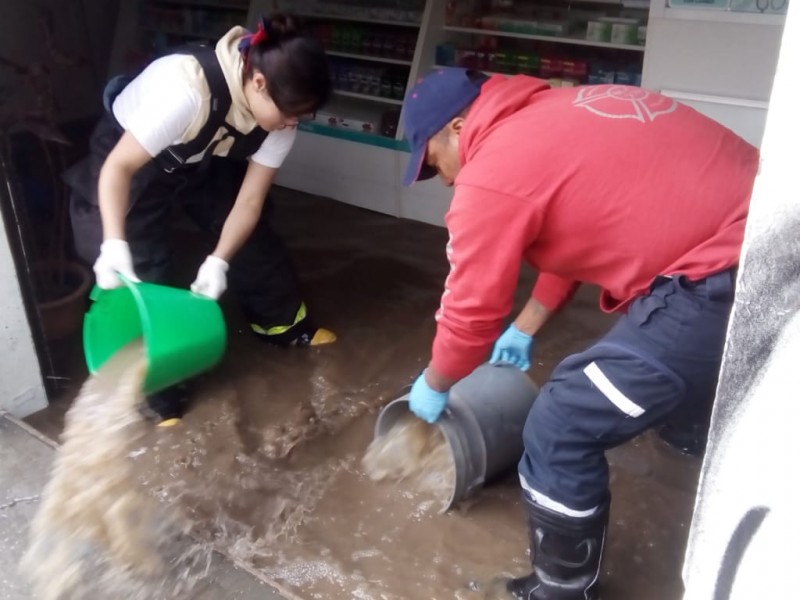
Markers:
{"x": 661, "y": 359}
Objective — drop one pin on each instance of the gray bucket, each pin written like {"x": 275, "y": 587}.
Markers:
{"x": 482, "y": 424}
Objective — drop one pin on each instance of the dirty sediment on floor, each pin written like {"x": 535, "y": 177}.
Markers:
{"x": 268, "y": 462}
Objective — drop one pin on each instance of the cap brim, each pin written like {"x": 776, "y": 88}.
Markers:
{"x": 417, "y": 170}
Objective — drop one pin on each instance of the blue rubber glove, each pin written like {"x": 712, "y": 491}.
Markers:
{"x": 426, "y": 403}
{"x": 513, "y": 347}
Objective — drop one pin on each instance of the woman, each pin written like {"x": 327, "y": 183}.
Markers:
{"x": 181, "y": 131}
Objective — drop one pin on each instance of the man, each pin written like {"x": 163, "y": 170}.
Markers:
{"x": 610, "y": 185}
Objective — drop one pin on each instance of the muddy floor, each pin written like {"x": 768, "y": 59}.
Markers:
{"x": 267, "y": 462}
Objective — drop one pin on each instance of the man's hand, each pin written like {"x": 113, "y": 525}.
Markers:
{"x": 425, "y": 402}
{"x": 513, "y": 347}
{"x": 114, "y": 260}
{"x": 212, "y": 279}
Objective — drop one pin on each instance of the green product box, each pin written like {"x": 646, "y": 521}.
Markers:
{"x": 624, "y": 33}
{"x": 527, "y": 64}
{"x": 554, "y": 28}
{"x": 503, "y": 62}
{"x": 598, "y": 31}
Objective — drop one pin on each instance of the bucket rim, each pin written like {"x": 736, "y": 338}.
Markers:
{"x": 383, "y": 424}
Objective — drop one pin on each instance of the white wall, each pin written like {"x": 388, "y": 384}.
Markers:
{"x": 21, "y": 386}
{"x": 743, "y": 541}
{"x": 722, "y": 64}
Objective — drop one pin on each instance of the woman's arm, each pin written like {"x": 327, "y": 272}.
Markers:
{"x": 246, "y": 210}
{"x": 114, "y": 185}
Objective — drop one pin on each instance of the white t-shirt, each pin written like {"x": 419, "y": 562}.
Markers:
{"x": 159, "y": 106}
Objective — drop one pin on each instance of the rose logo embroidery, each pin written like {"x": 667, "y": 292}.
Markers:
{"x": 624, "y": 102}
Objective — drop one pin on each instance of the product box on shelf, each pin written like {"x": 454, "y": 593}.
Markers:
{"x": 601, "y": 73}
{"x": 623, "y": 31}
{"x": 598, "y": 31}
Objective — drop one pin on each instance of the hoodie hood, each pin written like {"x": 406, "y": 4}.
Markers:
{"x": 232, "y": 64}
{"x": 500, "y": 97}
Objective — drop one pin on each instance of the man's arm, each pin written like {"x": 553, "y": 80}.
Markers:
{"x": 532, "y": 317}
{"x": 529, "y": 321}
{"x": 489, "y": 234}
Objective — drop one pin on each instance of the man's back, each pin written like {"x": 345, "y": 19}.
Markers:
{"x": 617, "y": 184}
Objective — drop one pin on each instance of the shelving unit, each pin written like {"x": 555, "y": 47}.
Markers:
{"x": 566, "y": 42}
{"x": 381, "y": 59}
{"x": 378, "y": 99}
{"x": 573, "y": 41}
{"x": 372, "y": 49}
{"x": 358, "y": 19}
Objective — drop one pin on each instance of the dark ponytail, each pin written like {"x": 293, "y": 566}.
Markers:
{"x": 294, "y": 64}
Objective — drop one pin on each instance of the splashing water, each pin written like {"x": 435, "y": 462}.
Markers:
{"x": 416, "y": 455}
{"x": 97, "y": 533}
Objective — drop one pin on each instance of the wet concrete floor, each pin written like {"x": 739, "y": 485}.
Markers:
{"x": 268, "y": 457}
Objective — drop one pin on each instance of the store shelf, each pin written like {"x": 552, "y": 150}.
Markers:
{"x": 489, "y": 73}
{"x": 210, "y": 4}
{"x": 342, "y": 133}
{"x": 380, "y": 59}
{"x": 380, "y": 99}
{"x": 543, "y": 38}
{"x": 357, "y": 19}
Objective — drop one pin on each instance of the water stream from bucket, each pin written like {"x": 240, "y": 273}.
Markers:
{"x": 97, "y": 533}
{"x": 416, "y": 456}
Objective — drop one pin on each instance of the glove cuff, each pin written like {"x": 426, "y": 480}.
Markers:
{"x": 217, "y": 262}
{"x": 518, "y": 333}
{"x": 430, "y": 389}
{"x": 112, "y": 244}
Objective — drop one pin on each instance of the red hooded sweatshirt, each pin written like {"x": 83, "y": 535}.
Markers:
{"x": 608, "y": 185}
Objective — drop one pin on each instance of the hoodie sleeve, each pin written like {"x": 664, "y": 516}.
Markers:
{"x": 489, "y": 233}
{"x": 553, "y": 292}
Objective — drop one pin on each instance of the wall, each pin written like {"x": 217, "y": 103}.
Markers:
{"x": 82, "y": 29}
{"x": 722, "y": 64}
{"x": 743, "y": 540}
{"x": 21, "y": 387}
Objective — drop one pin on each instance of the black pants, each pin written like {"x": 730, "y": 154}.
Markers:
{"x": 260, "y": 274}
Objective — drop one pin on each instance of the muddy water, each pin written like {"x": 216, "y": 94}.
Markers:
{"x": 97, "y": 531}
{"x": 268, "y": 461}
{"x": 415, "y": 457}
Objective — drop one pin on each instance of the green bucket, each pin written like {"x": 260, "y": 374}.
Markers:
{"x": 184, "y": 333}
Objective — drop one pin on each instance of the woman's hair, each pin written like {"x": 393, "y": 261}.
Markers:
{"x": 293, "y": 63}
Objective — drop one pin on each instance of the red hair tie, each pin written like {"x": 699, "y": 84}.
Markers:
{"x": 250, "y": 40}
{"x": 260, "y": 35}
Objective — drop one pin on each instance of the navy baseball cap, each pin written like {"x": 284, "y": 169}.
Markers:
{"x": 429, "y": 106}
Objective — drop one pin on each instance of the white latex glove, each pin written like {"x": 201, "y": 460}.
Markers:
{"x": 211, "y": 280}
{"x": 115, "y": 259}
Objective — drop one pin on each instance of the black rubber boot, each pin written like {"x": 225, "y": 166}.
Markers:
{"x": 565, "y": 553}
{"x": 167, "y": 407}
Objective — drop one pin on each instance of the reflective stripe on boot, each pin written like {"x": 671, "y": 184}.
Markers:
{"x": 566, "y": 553}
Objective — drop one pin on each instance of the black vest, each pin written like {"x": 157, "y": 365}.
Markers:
{"x": 175, "y": 157}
